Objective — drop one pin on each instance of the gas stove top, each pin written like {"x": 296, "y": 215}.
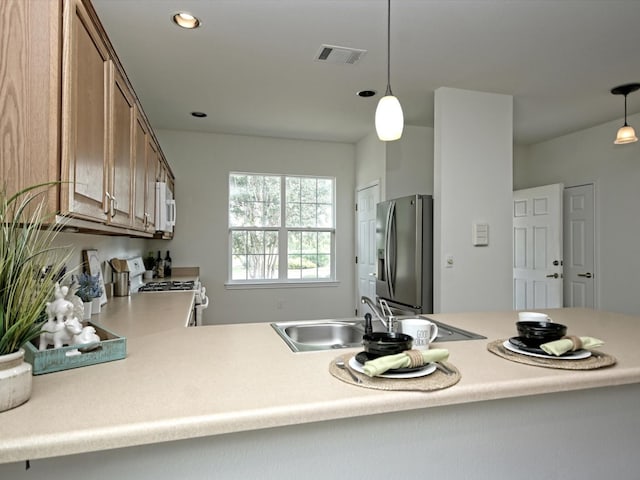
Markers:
{"x": 162, "y": 286}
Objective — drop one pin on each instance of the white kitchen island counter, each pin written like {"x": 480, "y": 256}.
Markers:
{"x": 237, "y": 389}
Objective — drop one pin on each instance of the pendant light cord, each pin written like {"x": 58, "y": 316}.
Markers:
{"x": 388, "y": 92}
{"x": 625, "y": 110}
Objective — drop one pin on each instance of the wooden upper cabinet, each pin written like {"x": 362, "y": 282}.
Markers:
{"x": 85, "y": 123}
{"x": 70, "y": 115}
{"x": 140, "y": 210}
{"x": 121, "y": 165}
{"x": 153, "y": 172}
{"x": 30, "y": 94}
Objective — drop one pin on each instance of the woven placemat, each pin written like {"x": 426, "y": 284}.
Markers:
{"x": 435, "y": 381}
{"x": 596, "y": 360}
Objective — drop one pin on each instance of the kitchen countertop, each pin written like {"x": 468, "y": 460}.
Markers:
{"x": 179, "y": 383}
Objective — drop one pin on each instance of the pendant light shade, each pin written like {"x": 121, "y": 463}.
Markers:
{"x": 389, "y": 117}
{"x": 626, "y": 133}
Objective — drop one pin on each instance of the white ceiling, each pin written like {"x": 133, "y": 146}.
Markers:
{"x": 251, "y": 65}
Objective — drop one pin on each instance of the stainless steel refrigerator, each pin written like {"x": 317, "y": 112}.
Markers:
{"x": 404, "y": 244}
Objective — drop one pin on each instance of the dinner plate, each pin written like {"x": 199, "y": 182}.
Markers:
{"x": 422, "y": 372}
{"x": 365, "y": 357}
{"x": 578, "y": 355}
{"x": 521, "y": 343}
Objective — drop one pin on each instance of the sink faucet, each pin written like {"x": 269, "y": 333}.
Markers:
{"x": 389, "y": 321}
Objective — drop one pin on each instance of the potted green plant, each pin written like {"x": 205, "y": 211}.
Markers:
{"x": 149, "y": 265}
{"x": 30, "y": 267}
{"x": 88, "y": 290}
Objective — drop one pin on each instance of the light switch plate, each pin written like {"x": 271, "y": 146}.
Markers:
{"x": 480, "y": 234}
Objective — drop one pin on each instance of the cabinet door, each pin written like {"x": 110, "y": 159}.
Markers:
{"x": 30, "y": 94}
{"x": 121, "y": 169}
{"x": 153, "y": 167}
{"x": 140, "y": 212}
{"x": 85, "y": 122}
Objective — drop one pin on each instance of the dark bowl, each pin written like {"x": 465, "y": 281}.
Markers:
{"x": 384, "y": 343}
{"x": 535, "y": 333}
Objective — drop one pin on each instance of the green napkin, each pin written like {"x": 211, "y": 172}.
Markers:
{"x": 401, "y": 360}
{"x": 558, "y": 347}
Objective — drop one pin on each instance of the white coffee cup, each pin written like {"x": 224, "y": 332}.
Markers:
{"x": 533, "y": 316}
{"x": 423, "y": 331}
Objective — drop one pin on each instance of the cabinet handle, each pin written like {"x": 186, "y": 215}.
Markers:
{"x": 146, "y": 220}
{"x": 114, "y": 204}
{"x": 586, "y": 275}
{"x": 108, "y": 202}
{"x": 555, "y": 275}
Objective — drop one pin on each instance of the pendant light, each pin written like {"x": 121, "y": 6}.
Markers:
{"x": 626, "y": 133}
{"x": 389, "y": 118}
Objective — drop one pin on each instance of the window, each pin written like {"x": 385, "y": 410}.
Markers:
{"x": 281, "y": 228}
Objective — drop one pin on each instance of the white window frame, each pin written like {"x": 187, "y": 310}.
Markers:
{"x": 283, "y": 231}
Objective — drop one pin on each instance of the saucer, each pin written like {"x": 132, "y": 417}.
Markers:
{"x": 421, "y": 372}
{"x": 577, "y": 355}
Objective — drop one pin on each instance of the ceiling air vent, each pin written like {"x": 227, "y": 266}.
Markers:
{"x": 343, "y": 55}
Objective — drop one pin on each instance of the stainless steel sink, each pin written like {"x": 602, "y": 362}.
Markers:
{"x": 307, "y": 336}
{"x": 313, "y": 335}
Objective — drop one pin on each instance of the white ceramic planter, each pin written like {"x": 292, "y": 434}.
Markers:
{"x": 86, "y": 314}
{"x": 15, "y": 380}
{"x": 95, "y": 306}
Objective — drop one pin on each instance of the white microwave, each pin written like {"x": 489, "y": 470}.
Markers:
{"x": 165, "y": 208}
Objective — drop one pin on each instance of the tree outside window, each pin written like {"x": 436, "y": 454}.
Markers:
{"x": 281, "y": 227}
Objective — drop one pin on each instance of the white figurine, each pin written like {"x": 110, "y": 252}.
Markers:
{"x": 60, "y": 333}
{"x": 60, "y": 307}
{"x": 87, "y": 335}
{"x": 62, "y": 326}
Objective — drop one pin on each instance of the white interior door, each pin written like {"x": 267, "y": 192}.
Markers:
{"x": 537, "y": 247}
{"x": 367, "y": 200}
{"x": 579, "y": 247}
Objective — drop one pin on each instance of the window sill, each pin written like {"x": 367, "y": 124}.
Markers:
{"x": 249, "y": 285}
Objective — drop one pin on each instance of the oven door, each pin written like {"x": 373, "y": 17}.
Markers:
{"x": 201, "y": 304}
{"x": 192, "y": 318}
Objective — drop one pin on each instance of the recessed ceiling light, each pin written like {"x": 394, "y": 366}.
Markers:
{"x": 198, "y": 114}
{"x": 366, "y": 93}
{"x": 185, "y": 20}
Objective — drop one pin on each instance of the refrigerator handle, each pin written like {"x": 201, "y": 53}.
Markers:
{"x": 389, "y": 244}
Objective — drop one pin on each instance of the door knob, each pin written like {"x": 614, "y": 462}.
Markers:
{"x": 586, "y": 275}
{"x": 555, "y": 275}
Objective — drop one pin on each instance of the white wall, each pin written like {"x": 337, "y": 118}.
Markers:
{"x": 590, "y": 156}
{"x": 108, "y": 247}
{"x": 409, "y": 163}
{"x": 403, "y": 167}
{"x": 371, "y": 158}
{"x": 201, "y": 163}
{"x": 472, "y": 183}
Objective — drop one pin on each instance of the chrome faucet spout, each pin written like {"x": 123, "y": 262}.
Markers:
{"x": 387, "y": 322}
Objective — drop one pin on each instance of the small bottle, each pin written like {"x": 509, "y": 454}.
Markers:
{"x": 159, "y": 266}
{"x": 167, "y": 265}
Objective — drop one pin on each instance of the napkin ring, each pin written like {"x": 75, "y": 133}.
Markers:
{"x": 577, "y": 343}
{"x": 415, "y": 358}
